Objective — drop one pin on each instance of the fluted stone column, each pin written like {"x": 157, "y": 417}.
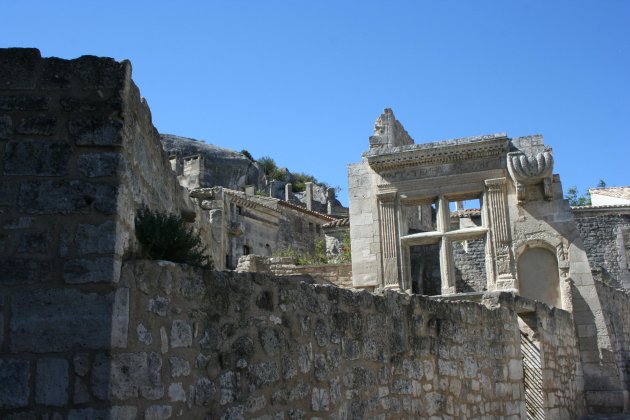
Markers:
{"x": 389, "y": 240}
{"x": 496, "y": 198}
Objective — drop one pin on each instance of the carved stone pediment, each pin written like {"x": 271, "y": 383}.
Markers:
{"x": 527, "y": 169}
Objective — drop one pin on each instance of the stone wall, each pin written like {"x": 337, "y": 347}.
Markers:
{"x": 616, "y": 307}
{"x": 469, "y": 261}
{"x": 337, "y": 274}
{"x": 606, "y": 237}
{"x": 78, "y": 156}
{"x": 251, "y": 346}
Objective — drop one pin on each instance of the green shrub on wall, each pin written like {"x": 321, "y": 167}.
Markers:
{"x": 165, "y": 236}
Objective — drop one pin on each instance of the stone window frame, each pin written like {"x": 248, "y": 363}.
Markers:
{"x": 441, "y": 235}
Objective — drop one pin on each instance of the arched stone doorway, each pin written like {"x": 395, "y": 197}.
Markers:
{"x": 538, "y": 276}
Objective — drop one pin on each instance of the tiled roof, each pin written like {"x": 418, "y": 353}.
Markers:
{"x": 337, "y": 223}
{"x": 602, "y": 207}
{"x": 465, "y": 213}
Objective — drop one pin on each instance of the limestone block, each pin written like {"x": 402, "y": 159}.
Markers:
{"x": 23, "y": 103}
{"x": 97, "y": 239}
{"x": 204, "y": 391}
{"x": 113, "y": 413}
{"x": 95, "y": 165}
{"x": 40, "y": 125}
{"x": 179, "y": 366}
{"x": 158, "y": 412}
{"x": 6, "y": 127}
{"x": 181, "y": 334}
{"x": 144, "y": 335}
{"x": 96, "y": 131}
{"x": 159, "y": 305}
{"x": 24, "y": 271}
{"x": 52, "y": 379}
{"x": 14, "y": 383}
{"x": 92, "y": 270}
{"x": 127, "y": 375}
{"x": 81, "y": 392}
{"x": 37, "y": 242}
{"x": 51, "y": 320}
{"x": 176, "y": 392}
{"x": 37, "y": 157}
{"x": 66, "y": 197}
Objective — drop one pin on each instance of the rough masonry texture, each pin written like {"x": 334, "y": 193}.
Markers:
{"x": 520, "y": 324}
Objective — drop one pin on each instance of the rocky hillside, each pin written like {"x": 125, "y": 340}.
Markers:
{"x": 222, "y": 167}
{"x": 230, "y": 169}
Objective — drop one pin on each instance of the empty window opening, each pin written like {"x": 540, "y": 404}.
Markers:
{"x": 425, "y": 269}
{"x": 465, "y": 214}
{"x": 246, "y": 250}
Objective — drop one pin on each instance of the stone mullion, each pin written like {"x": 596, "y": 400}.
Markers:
{"x": 499, "y": 232}
{"x": 389, "y": 240}
{"x": 447, "y": 270}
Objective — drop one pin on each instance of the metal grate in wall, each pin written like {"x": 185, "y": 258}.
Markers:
{"x": 532, "y": 376}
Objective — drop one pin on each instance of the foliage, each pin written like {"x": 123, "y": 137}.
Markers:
{"x": 247, "y": 155}
{"x": 300, "y": 179}
{"x": 267, "y": 164}
{"x": 319, "y": 256}
{"x": 576, "y": 199}
{"x": 165, "y": 236}
{"x": 345, "y": 250}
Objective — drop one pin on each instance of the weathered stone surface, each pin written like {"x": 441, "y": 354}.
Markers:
{"x": 43, "y": 125}
{"x": 176, "y": 392}
{"x": 95, "y": 165}
{"x": 18, "y": 67}
{"x": 96, "y": 131}
{"x": 24, "y": 271}
{"x": 37, "y": 242}
{"x": 113, "y": 413}
{"x": 14, "y": 383}
{"x": 92, "y": 270}
{"x": 179, "y": 366}
{"x": 52, "y": 382}
{"x": 204, "y": 391}
{"x": 37, "y": 157}
{"x": 97, "y": 239}
{"x": 159, "y": 305}
{"x": 127, "y": 375}
{"x": 6, "y": 127}
{"x": 158, "y": 412}
{"x": 144, "y": 335}
{"x": 50, "y": 320}
{"x": 23, "y": 103}
{"x": 181, "y": 334}
{"x": 66, "y": 197}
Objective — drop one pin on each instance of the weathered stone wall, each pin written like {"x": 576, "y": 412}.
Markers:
{"x": 469, "y": 261}
{"x": 337, "y": 274}
{"x": 616, "y": 307}
{"x": 251, "y": 346}
{"x": 78, "y": 156}
{"x": 605, "y": 237}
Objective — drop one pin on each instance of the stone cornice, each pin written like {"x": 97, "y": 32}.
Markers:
{"x": 438, "y": 152}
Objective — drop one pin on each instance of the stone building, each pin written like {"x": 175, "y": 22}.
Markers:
{"x": 88, "y": 331}
{"x": 402, "y": 197}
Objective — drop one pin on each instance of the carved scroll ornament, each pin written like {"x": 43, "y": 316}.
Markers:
{"x": 528, "y": 170}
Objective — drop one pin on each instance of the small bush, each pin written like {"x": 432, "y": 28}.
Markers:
{"x": 248, "y": 155}
{"x": 165, "y": 236}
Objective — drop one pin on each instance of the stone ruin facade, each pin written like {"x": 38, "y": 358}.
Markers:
{"x": 407, "y": 222}
{"x": 88, "y": 331}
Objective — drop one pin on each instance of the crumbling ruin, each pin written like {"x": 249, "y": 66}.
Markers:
{"x": 88, "y": 331}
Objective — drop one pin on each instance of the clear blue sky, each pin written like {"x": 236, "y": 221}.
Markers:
{"x": 303, "y": 81}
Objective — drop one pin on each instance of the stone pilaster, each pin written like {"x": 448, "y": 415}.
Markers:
{"x": 389, "y": 240}
{"x": 499, "y": 235}
{"x": 447, "y": 271}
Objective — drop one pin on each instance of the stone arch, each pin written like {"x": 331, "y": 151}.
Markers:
{"x": 538, "y": 273}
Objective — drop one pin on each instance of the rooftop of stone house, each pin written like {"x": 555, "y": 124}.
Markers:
{"x": 459, "y": 214}
{"x": 617, "y": 192}
{"x": 337, "y": 223}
